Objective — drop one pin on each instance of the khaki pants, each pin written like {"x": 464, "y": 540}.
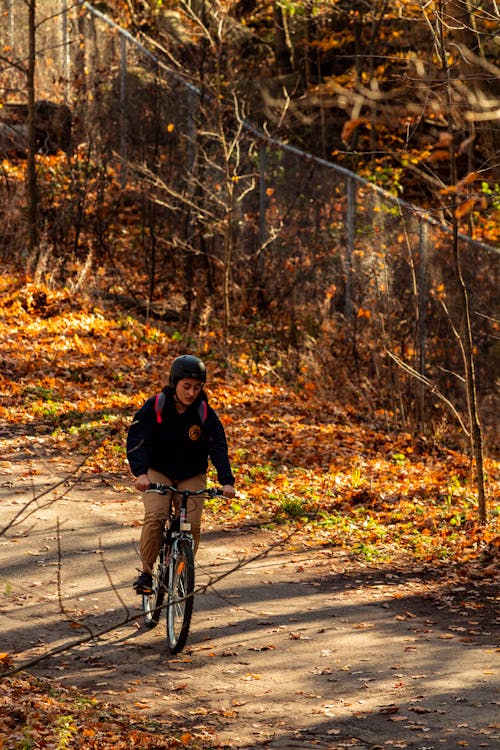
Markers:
{"x": 156, "y": 513}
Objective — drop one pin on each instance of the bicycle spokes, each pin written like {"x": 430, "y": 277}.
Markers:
{"x": 180, "y": 601}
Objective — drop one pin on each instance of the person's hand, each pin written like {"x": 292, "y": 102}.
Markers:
{"x": 142, "y": 482}
{"x": 228, "y": 490}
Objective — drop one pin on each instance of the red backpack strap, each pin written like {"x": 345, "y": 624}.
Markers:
{"x": 159, "y": 403}
{"x": 203, "y": 411}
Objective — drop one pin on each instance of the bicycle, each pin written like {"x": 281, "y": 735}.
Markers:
{"x": 173, "y": 571}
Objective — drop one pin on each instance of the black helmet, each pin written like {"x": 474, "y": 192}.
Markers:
{"x": 187, "y": 366}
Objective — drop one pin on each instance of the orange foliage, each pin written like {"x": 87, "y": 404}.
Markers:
{"x": 74, "y": 373}
{"x": 92, "y": 724}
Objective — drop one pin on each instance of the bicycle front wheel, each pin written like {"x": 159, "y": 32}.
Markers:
{"x": 180, "y": 597}
{"x": 152, "y": 601}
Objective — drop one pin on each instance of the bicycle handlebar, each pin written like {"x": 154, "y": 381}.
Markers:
{"x": 162, "y": 489}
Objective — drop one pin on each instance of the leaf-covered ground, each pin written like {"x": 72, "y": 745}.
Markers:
{"x": 72, "y": 374}
{"x": 37, "y": 714}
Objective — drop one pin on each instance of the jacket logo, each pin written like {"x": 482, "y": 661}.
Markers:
{"x": 194, "y": 432}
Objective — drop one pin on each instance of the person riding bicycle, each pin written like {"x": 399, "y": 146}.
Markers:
{"x": 170, "y": 442}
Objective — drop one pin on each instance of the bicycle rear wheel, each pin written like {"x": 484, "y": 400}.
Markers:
{"x": 151, "y": 602}
{"x": 180, "y": 597}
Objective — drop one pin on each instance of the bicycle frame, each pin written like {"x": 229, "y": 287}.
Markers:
{"x": 173, "y": 573}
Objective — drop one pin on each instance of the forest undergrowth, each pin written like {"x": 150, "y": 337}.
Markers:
{"x": 73, "y": 373}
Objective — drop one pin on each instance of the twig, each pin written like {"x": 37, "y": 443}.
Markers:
{"x": 431, "y": 386}
{"x": 96, "y": 635}
{"x": 22, "y": 514}
{"x": 59, "y": 587}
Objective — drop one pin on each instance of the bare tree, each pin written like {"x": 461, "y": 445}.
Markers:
{"x": 217, "y": 174}
{"x": 32, "y": 189}
{"x": 441, "y": 24}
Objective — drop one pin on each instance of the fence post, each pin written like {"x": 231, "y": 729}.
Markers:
{"x": 349, "y": 248}
{"x": 65, "y": 49}
{"x": 422, "y": 318}
{"x": 191, "y": 130}
{"x": 123, "y": 107}
{"x": 262, "y": 194}
{"x": 191, "y": 150}
{"x": 10, "y": 12}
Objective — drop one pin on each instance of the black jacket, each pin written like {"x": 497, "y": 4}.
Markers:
{"x": 180, "y": 445}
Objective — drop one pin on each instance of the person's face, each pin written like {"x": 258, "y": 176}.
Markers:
{"x": 187, "y": 390}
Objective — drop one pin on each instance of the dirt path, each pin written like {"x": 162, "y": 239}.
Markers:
{"x": 288, "y": 651}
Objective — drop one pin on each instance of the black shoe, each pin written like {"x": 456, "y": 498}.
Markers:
{"x": 143, "y": 583}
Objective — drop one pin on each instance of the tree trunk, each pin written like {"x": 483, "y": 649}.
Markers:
{"x": 31, "y": 181}
{"x": 281, "y": 50}
{"x": 466, "y": 341}
{"x": 473, "y": 68}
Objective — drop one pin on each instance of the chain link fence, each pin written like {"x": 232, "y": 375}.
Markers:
{"x": 359, "y": 287}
